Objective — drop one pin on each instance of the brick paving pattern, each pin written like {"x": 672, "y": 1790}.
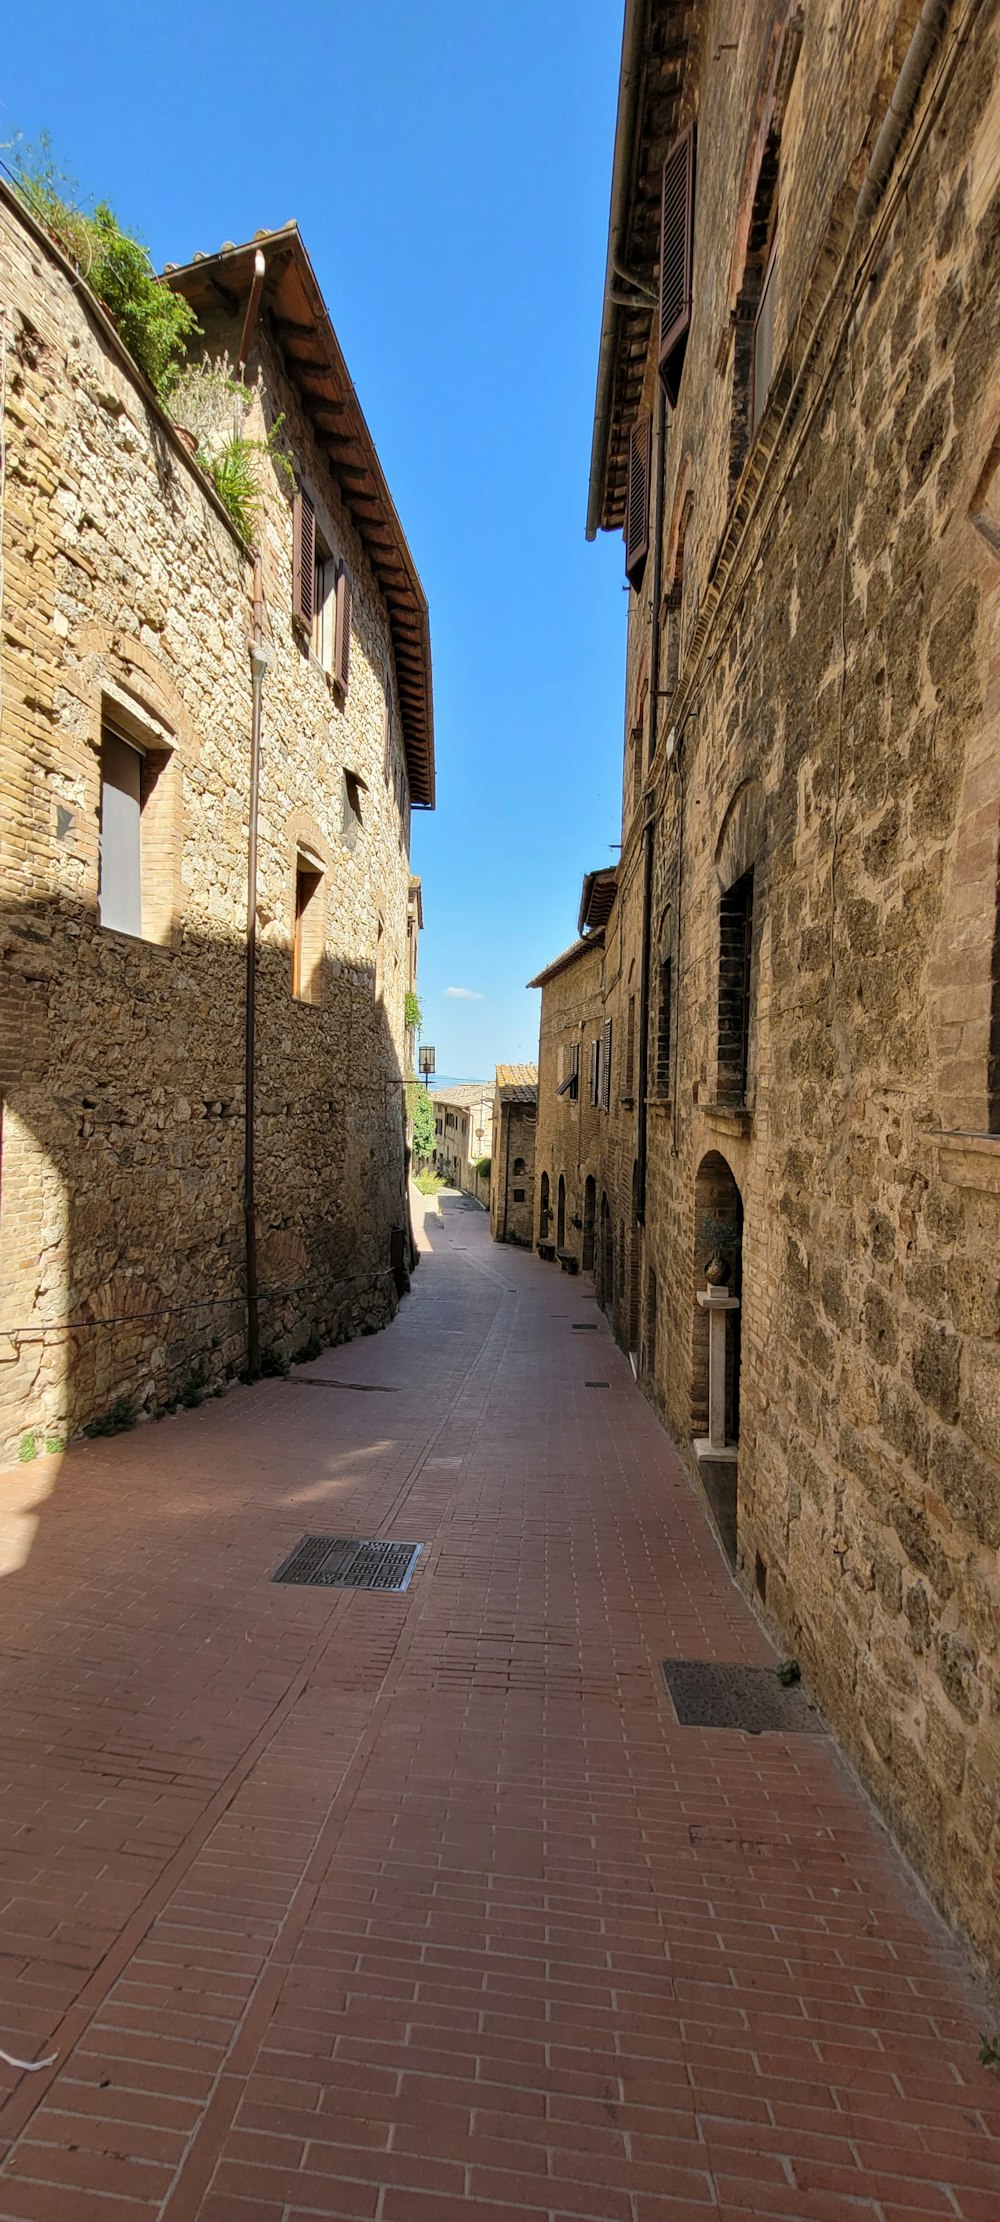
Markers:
{"x": 421, "y": 1908}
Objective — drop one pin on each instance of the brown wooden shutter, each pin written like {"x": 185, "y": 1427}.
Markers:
{"x": 342, "y": 637}
{"x": 303, "y": 561}
{"x": 606, "y": 1066}
{"x": 676, "y": 258}
{"x": 637, "y": 508}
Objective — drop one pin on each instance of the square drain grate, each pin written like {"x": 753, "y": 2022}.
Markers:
{"x": 597, "y": 1384}
{"x": 584, "y": 1327}
{"x": 752, "y": 1698}
{"x": 349, "y": 1562}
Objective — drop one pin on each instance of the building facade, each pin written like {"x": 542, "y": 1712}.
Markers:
{"x": 463, "y": 1133}
{"x": 512, "y": 1155}
{"x": 132, "y": 1274}
{"x": 796, "y": 430}
{"x": 568, "y": 1127}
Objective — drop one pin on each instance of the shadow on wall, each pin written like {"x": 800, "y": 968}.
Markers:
{"x": 121, "y": 1196}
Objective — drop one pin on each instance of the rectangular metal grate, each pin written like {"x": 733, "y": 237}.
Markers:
{"x": 706, "y": 1695}
{"x": 584, "y": 1327}
{"x": 322, "y": 1381}
{"x": 349, "y": 1562}
{"x": 597, "y": 1384}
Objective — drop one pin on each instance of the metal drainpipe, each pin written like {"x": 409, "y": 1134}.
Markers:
{"x": 642, "y": 1085}
{"x": 930, "y": 25}
{"x": 258, "y": 667}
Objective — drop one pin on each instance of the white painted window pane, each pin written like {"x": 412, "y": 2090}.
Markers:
{"x": 120, "y": 896}
{"x": 763, "y": 345}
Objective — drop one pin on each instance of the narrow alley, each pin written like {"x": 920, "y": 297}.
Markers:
{"x": 425, "y": 1906}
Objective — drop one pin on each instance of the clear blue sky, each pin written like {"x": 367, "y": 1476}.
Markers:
{"x": 449, "y": 164}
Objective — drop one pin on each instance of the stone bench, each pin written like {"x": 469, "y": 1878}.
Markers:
{"x": 569, "y": 1262}
{"x": 547, "y": 1250}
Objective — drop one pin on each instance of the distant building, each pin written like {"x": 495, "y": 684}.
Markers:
{"x": 463, "y": 1128}
{"x": 568, "y": 1132}
{"x": 512, "y": 1171}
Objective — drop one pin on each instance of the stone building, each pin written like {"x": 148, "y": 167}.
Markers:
{"x": 512, "y": 1167}
{"x": 463, "y": 1130}
{"x": 796, "y": 429}
{"x": 568, "y": 1137}
{"x": 131, "y": 605}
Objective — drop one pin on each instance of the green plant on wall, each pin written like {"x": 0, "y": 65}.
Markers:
{"x": 412, "y": 1014}
{"x": 234, "y": 472}
{"x": 155, "y": 323}
{"x": 421, "y": 1114}
{"x": 213, "y": 405}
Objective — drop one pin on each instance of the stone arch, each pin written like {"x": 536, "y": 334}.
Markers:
{"x": 742, "y": 834}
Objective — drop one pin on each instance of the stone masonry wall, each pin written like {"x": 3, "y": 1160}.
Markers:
{"x": 837, "y": 703}
{"x": 122, "y": 1057}
{"x": 568, "y": 1137}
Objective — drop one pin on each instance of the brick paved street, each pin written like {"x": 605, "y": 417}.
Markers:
{"x": 424, "y": 1907}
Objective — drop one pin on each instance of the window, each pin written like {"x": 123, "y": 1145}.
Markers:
{"x": 663, "y": 1028}
{"x": 120, "y": 892}
{"x": 519, "y": 1195}
{"x": 307, "y": 932}
{"x": 135, "y": 880}
{"x": 570, "y": 1087}
{"x": 518, "y": 1166}
{"x": 595, "y": 1071}
{"x": 352, "y": 820}
{"x": 343, "y": 606}
{"x": 379, "y": 957}
{"x": 606, "y": 1066}
{"x": 676, "y": 259}
{"x": 324, "y": 586}
{"x": 629, "y": 1072}
{"x": 762, "y": 367}
{"x": 637, "y": 502}
{"x": 735, "y": 950}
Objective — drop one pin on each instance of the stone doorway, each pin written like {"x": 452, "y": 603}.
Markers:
{"x": 718, "y": 1260}
{"x": 606, "y": 1278}
{"x": 543, "y": 1209}
{"x": 561, "y": 1214}
{"x": 589, "y": 1222}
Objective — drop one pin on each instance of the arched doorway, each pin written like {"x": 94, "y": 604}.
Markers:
{"x": 718, "y": 1244}
{"x": 606, "y": 1278}
{"x": 543, "y": 1209}
{"x": 589, "y": 1222}
{"x": 561, "y": 1214}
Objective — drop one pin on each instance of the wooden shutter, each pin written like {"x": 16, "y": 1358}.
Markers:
{"x": 606, "y": 1066}
{"x": 676, "y": 258}
{"x": 637, "y": 506}
{"x": 575, "y": 1071}
{"x": 342, "y": 636}
{"x": 303, "y": 561}
{"x": 595, "y": 1072}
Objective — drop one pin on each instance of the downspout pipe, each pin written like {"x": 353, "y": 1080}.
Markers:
{"x": 926, "y": 37}
{"x": 258, "y": 667}
{"x": 646, "y": 957}
{"x": 633, "y": 36}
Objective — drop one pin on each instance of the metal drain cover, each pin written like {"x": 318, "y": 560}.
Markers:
{"x": 748, "y": 1697}
{"x": 584, "y": 1327}
{"x": 597, "y": 1384}
{"x": 349, "y": 1562}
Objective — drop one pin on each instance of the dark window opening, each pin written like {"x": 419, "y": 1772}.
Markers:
{"x": 518, "y": 1165}
{"x": 543, "y": 1209}
{"x": 735, "y": 951}
{"x": 663, "y": 1029}
{"x": 518, "y": 1195}
{"x": 307, "y": 936}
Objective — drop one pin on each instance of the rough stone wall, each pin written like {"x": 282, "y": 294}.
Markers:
{"x": 569, "y": 1135}
{"x": 511, "y": 1216}
{"x": 122, "y": 1070}
{"x": 838, "y": 704}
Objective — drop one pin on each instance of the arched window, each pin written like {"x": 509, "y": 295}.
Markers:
{"x": 518, "y": 1165}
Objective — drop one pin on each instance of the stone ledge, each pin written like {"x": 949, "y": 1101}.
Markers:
{"x": 970, "y": 1160}
{"x": 728, "y": 1118}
